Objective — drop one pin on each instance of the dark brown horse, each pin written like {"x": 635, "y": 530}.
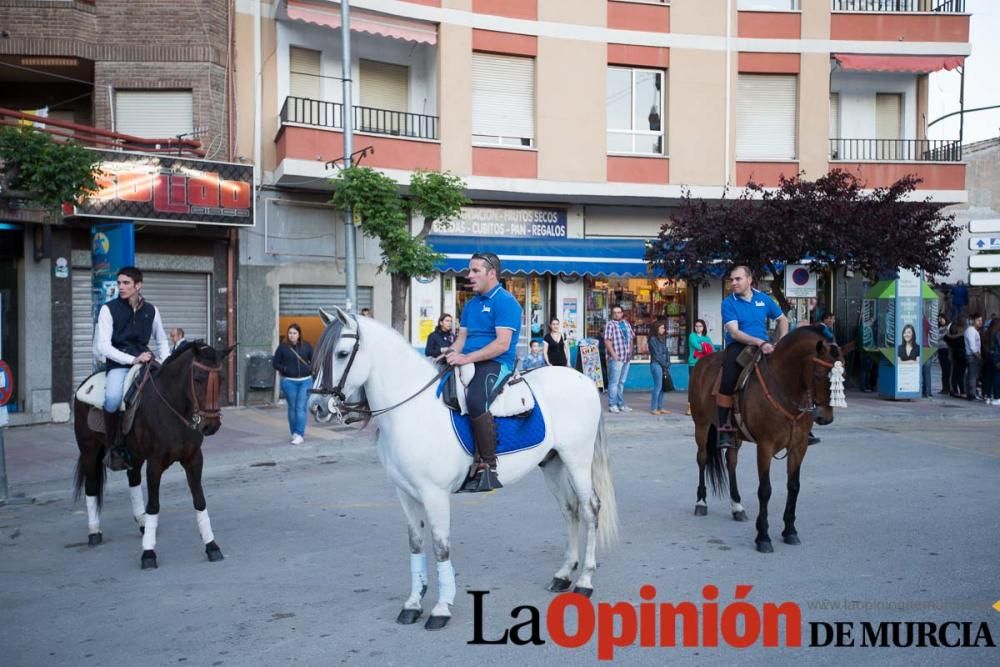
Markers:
{"x": 179, "y": 406}
{"x": 790, "y": 389}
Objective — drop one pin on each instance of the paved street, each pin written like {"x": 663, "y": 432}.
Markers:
{"x": 897, "y": 513}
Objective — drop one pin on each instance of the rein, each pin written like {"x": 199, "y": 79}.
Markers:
{"x": 212, "y": 396}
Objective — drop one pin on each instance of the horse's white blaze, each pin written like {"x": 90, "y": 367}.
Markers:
{"x": 422, "y": 456}
{"x": 138, "y": 505}
{"x": 149, "y": 536}
{"x": 204, "y": 526}
{"x": 93, "y": 515}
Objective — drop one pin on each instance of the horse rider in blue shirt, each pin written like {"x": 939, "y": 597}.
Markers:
{"x": 125, "y": 327}
{"x": 490, "y": 324}
{"x": 744, "y": 315}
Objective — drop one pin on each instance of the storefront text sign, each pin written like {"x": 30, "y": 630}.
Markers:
{"x": 506, "y": 222}
{"x": 158, "y": 188}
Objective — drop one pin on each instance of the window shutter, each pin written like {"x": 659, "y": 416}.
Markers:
{"x": 384, "y": 86}
{"x": 503, "y": 96}
{"x": 303, "y": 73}
{"x": 835, "y": 115}
{"x": 154, "y": 114}
{"x": 766, "y": 116}
{"x": 887, "y": 125}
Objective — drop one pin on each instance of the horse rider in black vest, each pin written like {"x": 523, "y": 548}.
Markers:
{"x": 125, "y": 327}
{"x": 744, "y": 315}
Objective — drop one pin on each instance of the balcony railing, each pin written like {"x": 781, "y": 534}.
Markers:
{"x": 896, "y": 150}
{"x": 889, "y": 6}
{"x": 366, "y": 119}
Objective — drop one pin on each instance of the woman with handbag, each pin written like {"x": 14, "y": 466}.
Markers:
{"x": 293, "y": 359}
{"x": 699, "y": 345}
{"x": 659, "y": 367}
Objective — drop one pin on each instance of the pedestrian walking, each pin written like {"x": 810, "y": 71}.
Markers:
{"x": 556, "y": 349}
{"x": 293, "y": 360}
{"x": 973, "y": 356}
{"x": 659, "y": 368}
{"x": 619, "y": 340}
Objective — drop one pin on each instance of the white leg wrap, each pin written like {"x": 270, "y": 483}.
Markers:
{"x": 93, "y": 516}
{"x": 138, "y": 504}
{"x": 418, "y": 574}
{"x": 149, "y": 537}
{"x": 736, "y": 507}
{"x": 446, "y": 583}
{"x": 205, "y": 526}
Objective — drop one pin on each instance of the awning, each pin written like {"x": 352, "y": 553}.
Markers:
{"x": 328, "y": 15}
{"x": 912, "y": 64}
{"x": 595, "y": 257}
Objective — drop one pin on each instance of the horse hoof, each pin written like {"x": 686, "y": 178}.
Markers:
{"x": 558, "y": 585}
{"x": 94, "y": 539}
{"x": 213, "y": 552}
{"x": 149, "y": 560}
{"x": 584, "y": 591}
{"x": 793, "y": 538}
{"x": 740, "y": 516}
{"x": 436, "y": 622}
{"x": 408, "y": 616}
{"x": 701, "y": 510}
{"x": 765, "y": 547}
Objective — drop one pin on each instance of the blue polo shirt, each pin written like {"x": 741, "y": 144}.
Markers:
{"x": 483, "y": 314}
{"x": 751, "y": 316}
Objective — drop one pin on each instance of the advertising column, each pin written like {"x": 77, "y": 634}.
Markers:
{"x": 900, "y": 378}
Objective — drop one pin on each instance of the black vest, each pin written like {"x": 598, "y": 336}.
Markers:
{"x": 130, "y": 329}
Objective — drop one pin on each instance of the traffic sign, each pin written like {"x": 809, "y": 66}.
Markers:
{"x": 6, "y": 383}
{"x": 984, "y": 279}
{"x": 984, "y": 243}
{"x": 984, "y": 262}
{"x": 985, "y": 226}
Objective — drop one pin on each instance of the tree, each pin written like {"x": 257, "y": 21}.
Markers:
{"x": 828, "y": 223}
{"x": 45, "y": 172}
{"x": 383, "y": 214}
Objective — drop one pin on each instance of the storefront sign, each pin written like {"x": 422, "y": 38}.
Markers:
{"x": 800, "y": 282}
{"x": 508, "y": 222}
{"x": 157, "y": 188}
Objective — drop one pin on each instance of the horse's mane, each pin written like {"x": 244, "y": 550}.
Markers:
{"x": 812, "y": 331}
{"x": 198, "y": 347}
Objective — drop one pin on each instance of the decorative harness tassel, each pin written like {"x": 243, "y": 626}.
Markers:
{"x": 837, "y": 399}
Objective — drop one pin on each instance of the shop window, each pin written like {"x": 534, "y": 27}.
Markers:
{"x": 645, "y": 303}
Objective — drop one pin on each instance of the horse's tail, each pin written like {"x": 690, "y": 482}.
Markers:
{"x": 714, "y": 465}
{"x": 604, "y": 489}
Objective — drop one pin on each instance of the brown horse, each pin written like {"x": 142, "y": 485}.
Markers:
{"x": 788, "y": 391}
{"x": 179, "y": 406}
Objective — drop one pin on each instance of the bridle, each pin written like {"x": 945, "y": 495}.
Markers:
{"x": 213, "y": 395}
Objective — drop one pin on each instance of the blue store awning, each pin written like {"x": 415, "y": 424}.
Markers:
{"x": 596, "y": 257}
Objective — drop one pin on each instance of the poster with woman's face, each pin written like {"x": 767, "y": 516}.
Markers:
{"x": 908, "y": 350}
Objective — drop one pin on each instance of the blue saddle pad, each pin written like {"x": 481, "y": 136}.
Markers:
{"x": 513, "y": 433}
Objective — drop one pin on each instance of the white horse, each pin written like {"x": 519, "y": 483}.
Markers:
{"x": 425, "y": 461}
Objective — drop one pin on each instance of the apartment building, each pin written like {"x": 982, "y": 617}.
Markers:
{"x": 577, "y": 125}
{"x": 133, "y": 68}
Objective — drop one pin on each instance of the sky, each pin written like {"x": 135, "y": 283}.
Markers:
{"x": 982, "y": 80}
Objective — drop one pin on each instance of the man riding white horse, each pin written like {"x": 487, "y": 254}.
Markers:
{"x": 490, "y": 324}
{"x": 125, "y": 327}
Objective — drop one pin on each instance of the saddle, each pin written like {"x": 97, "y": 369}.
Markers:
{"x": 91, "y": 392}
{"x": 748, "y": 359}
{"x": 513, "y": 398}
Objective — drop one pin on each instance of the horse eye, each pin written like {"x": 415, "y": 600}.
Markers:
{"x": 342, "y": 354}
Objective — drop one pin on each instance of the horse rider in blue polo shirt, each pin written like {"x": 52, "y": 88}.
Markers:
{"x": 744, "y": 315}
{"x": 490, "y": 324}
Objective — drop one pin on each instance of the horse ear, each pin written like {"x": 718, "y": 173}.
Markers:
{"x": 326, "y": 317}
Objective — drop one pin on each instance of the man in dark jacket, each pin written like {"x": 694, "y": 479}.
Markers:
{"x": 125, "y": 327}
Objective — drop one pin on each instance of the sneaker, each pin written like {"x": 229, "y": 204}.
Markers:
{"x": 614, "y": 408}
{"x": 626, "y": 408}
{"x": 297, "y": 439}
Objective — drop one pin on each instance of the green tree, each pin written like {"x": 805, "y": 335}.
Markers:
{"x": 382, "y": 213}
{"x": 45, "y": 172}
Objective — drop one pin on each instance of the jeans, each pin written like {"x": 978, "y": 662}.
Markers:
{"x": 656, "y": 397}
{"x": 973, "y": 366}
{"x": 297, "y": 396}
{"x": 617, "y": 372}
{"x": 114, "y": 387}
{"x": 989, "y": 377}
{"x": 944, "y": 358}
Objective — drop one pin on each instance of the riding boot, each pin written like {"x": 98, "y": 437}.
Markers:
{"x": 726, "y": 431}
{"x": 483, "y": 476}
{"x": 117, "y": 457}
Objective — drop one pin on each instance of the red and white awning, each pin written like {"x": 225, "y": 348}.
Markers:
{"x": 328, "y": 15}
{"x": 913, "y": 64}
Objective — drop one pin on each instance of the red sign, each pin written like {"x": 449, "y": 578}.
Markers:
{"x": 139, "y": 186}
{"x": 6, "y": 383}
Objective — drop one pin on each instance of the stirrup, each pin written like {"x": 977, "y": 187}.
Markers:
{"x": 118, "y": 458}
{"x": 485, "y": 480}
{"x": 726, "y": 438}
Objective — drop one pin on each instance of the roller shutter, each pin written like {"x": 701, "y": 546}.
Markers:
{"x": 503, "y": 98}
{"x": 766, "y": 116}
{"x": 304, "y": 71}
{"x": 154, "y": 114}
{"x": 306, "y": 300}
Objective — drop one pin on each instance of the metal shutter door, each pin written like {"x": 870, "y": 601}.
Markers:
{"x": 154, "y": 114}
{"x": 83, "y": 326}
{"x": 306, "y": 300}
{"x": 503, "y": 96}
{"x": 182, "y": 299}
{"x": 303, "y": 79}
{"x": 766, "y": 113}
